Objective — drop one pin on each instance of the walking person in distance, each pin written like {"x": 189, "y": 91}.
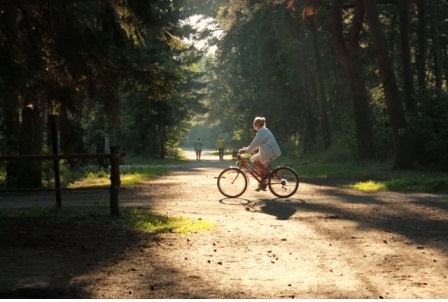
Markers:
{"x": 221, "y": 146}
{"x": 198, "y": 149}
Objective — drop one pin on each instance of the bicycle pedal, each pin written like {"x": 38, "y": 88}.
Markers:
{"x": 261, "y": 187}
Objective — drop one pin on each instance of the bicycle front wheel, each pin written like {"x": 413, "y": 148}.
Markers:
{"x": 283, "y": 182}
{"x": 232, "y": 182}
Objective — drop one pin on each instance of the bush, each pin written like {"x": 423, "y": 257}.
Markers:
{"x": 429, "y": 132}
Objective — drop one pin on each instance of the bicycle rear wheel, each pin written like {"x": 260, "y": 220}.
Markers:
{"x": 232, "y": 182}
{"x": 283, "y": 182}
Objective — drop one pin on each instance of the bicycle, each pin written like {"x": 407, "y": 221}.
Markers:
{"x": 282, "y": 181}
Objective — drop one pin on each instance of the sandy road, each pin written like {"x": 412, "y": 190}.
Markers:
{"x": 323, "y": 242}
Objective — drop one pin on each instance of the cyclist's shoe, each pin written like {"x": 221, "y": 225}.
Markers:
{"x": 262, "y": 187}
{"x": 264, "y": 178}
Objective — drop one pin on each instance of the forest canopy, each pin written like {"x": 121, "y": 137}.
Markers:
{"x": 366, "y": 77}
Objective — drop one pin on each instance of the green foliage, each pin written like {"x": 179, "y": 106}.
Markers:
{"x": 381, "y": 125}
{"x": 138, "y": 160}
{"x": 139, "y": 171}
{"x": 70, "y": 175}
{"x": 92, "y": 176}
{"x": 2, "y": 175}
{"x": 344, "y": 138}
{"x": 330, "y": 170}
{"x": 416, "y": 183}
{"x": 86, "y": 62}
{"x": 431, "y": 183}
{"x": 429, "y": 132}
{"x": 121, "y": 70}
{"x": 369, "y": 185}
{"x": 265, "y": 67}
{"x": 209, "y": 135}
{"x": 369, "y": 176}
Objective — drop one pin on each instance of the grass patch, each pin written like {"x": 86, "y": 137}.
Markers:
{"x": 37, "y": 223}
{"x": 404, "y": 183}
{"x": 345, "y": 170}
{"x": 419, "y": 183}
{"x": 175, "y": 158}
{"x": 373, "y": 176}
{"x": 132, "y": 176}
{"x": 368, "y": 186}
{"x": 144, "y": 220}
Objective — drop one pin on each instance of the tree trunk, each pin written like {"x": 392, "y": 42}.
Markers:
{"x": 408, "y": 80}
{"x": 31, "y": 139}
{"x": 163, "y": 139}
{"x": 10, "y": 97}
{"x": 100, "y": 147}
{"x": 397, "y": 118}
{"x": 321, "y": 95}
{"x": 307, "y": 112}
{"x": 421, "y": 52}
{"x": 445, "y": 63}
{"x": 350, "y": 62}
{"x": 70, "y": 139}
{"x": 436, "y": 46}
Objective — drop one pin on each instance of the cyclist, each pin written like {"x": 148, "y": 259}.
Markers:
{"x": 267, "y": 146}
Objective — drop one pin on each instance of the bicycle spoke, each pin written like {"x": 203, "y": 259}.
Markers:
{"x": 232, "y": 182}
{"x": 283, "y": 182}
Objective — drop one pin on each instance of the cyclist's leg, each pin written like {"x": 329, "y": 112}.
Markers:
{"x": 255, "y": 159}
{"x": 262, "y": 166}
{"x": 264, "y": 176}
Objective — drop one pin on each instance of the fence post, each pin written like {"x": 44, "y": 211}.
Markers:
{"x": 55, "y": 145}
{"x": 115, "y": 181}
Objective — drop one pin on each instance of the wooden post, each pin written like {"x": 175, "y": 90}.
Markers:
{"x": 55, "y": 142}
{"x": 115, "y": 181}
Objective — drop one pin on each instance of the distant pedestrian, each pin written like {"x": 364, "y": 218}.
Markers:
{"x": 221, "y": 146}
{"x": 198, "y": 149}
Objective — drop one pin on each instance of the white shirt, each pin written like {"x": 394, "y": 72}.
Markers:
{"x": 264, "y": 140}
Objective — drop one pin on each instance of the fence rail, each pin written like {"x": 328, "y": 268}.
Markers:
{"x": 115, "y": 155}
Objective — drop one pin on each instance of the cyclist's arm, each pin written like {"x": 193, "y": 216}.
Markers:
{"x": 256, "y": 143}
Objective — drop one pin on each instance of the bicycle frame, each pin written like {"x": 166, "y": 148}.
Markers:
{"x": 243, "y": 163}
{"x": 282, "y": 181}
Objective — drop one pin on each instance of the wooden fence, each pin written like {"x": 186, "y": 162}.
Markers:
{"x": 115, "y": 182}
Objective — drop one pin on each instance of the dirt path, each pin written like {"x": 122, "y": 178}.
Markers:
{"x": 324, "y": 242}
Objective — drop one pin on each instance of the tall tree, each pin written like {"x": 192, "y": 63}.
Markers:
{"x": 438, "y": 74}
{"x": 12, "y": 75}
{"x": 68, "y": 52}
{"x": 422, "y": 45}
{"x": 31, "y": 132}
{"x": 319, "y": 78}
{"x": 406, "y": 66}
{"x": 349, "y": 58}
{"x": 397, "y": 118}
{"x": 307, "y": 111}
